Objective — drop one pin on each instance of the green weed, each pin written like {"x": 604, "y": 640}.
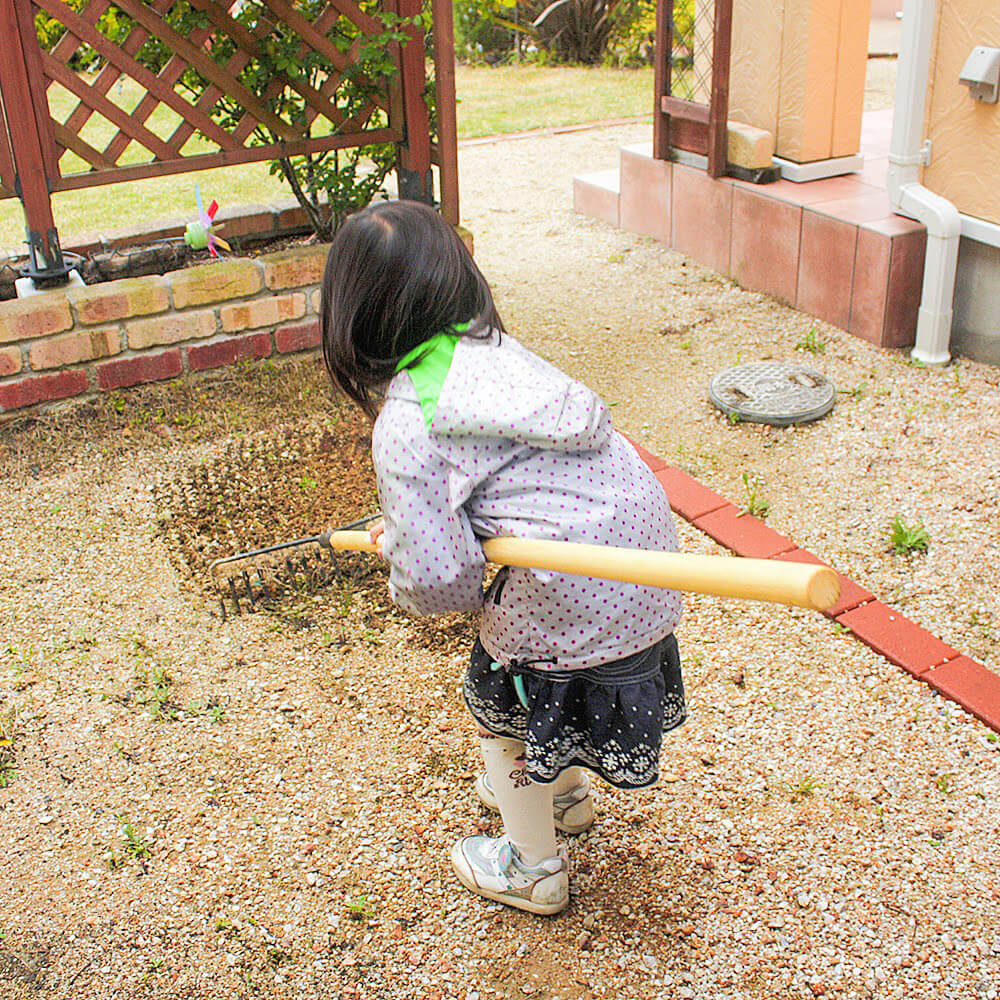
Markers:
{"x": 8, "y": 731}
{"x": 943, "y": 783}
{"x": 857, "y": 392}
{"x": 134, "y": 846}
{"x": 756, "y": 506}
{"x": 905, "y": 539}
{"x": 805, "y": 789}
{"x": 360, "y": 908}
{"x": 211, "y": 708}
{"x": 159, "y": 702}
{"x": 812, "y": 343}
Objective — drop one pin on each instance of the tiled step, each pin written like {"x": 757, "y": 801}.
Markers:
{"x": 596, "y": 195}
{"x": 833, "y": 248}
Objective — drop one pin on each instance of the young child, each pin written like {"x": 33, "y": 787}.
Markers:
{"x": 477, "y": 437}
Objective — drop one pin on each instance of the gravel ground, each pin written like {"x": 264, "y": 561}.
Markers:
{"x": 261, "y": 807}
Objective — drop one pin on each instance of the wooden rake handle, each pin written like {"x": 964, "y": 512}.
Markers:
{"x": 798, "y": 584}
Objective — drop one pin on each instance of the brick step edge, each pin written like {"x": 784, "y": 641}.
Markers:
{"x": 902, "y": 642}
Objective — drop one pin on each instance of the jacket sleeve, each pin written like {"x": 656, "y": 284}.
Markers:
{"x": 436, "y": 561}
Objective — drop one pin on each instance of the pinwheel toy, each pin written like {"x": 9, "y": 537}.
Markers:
{"x": 199, "y": 234}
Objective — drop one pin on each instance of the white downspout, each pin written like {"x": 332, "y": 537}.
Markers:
{"x": 907, "y": 152}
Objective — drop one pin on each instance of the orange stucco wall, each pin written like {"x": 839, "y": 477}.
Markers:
{"x": 964, "y": 133}
{"x": 798, "y": 70}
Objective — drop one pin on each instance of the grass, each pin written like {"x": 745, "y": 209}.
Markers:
{"x": 517, "y": 98}
{"x": 491, "y": 102}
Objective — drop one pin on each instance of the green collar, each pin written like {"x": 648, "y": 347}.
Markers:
{"x": 428, "y": 365}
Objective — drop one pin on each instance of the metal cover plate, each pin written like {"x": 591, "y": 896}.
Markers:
{"x": 772, "y": 392}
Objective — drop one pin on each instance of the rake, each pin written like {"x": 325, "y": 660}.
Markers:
{"x": 255, "y": 577}
{"x": 797, "y": 584}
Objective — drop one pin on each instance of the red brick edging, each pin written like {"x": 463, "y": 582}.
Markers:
{"x": 901, "y": 641}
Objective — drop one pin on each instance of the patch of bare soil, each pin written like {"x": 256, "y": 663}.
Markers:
{"x": 276, "y": 486}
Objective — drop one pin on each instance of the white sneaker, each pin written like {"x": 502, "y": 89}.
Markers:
{"x": 491, "y": 867}
{"x": 572, "y": 811}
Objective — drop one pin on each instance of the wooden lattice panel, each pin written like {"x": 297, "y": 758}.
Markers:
{"x": 692, "y": 79}
{"x": 126, "y": 121}
{"x": 6, "y": 161}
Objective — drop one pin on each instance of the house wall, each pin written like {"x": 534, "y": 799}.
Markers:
{"x": 798, "y": 71}
{"x": 975, "y": 329}
{"x": 965, "y": 133}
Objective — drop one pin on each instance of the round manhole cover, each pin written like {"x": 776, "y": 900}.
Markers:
{"x": 772, "y": 392}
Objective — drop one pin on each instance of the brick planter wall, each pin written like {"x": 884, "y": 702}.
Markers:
{"x": 76, "y": 342}
{"x": 79, "y": 341}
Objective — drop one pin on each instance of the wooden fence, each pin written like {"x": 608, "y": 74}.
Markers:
{"x": 691, "y": 108}
{"x": 203, "y": 128}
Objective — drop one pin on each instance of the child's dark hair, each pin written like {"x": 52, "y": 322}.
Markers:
{"x": 397, "y": 274}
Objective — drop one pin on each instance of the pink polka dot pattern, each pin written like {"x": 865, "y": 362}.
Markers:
{"x": 518, "y": 448}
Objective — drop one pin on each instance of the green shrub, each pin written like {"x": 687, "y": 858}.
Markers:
{"x": 113, "y": 24}
{"x": 480, "y": 34}
{"x": 634, "y": 32}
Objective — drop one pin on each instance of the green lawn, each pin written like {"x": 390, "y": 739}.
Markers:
{"x": 491, "y": 102}
{"x": 516, "y": 98}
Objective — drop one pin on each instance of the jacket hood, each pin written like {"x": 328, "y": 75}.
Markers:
{"x": 494, "y": 387}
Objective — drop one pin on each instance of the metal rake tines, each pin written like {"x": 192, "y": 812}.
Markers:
{"x": 249, "y": 580}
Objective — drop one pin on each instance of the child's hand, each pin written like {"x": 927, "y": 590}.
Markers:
{"x": 375, "y": 532}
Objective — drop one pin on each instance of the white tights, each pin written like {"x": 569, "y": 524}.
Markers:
{"x": 525, "y": 805}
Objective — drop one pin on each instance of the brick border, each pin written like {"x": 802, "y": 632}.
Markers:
{"x": 913, "y": 649}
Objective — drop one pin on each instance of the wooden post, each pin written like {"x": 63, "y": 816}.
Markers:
{"x": 447, "y": 126}
{"x": 416, "y": 181}
{"x": 26, "y": 111}
{"x": 718, "y": 113}
{"x": 663, "y": 44}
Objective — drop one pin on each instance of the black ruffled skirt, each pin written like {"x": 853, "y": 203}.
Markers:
{"x": 609, "y": 719}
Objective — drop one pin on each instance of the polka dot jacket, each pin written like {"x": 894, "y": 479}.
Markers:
{"x": 512, "y": 446}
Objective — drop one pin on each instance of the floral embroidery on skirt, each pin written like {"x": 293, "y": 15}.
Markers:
{"x": 609, "y": 719}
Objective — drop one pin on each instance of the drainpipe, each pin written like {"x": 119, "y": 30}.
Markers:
{"x": 907, "y": 153}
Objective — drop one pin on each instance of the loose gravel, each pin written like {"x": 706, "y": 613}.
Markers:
{"x": 261, "y": 807}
